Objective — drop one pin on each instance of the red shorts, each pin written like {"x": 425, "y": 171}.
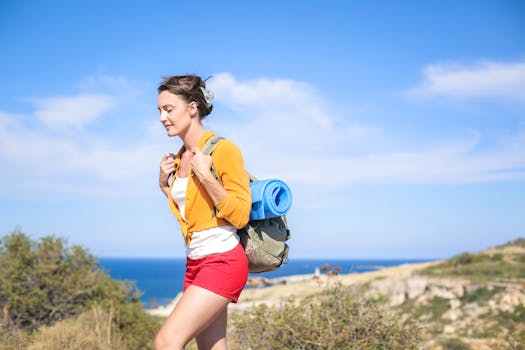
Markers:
{"x": 221, "y": 273}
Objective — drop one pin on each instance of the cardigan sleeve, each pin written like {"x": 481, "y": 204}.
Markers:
{"x": 229, "y": 166}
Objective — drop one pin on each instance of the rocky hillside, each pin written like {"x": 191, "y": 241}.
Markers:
{"x": 474, "y": 301}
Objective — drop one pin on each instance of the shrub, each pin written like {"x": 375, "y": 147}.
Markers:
{"x": 12, "y": 338}
{"x": 462, "y": 259}
{"x": 482, "y": 294}
{"x": 518, "y": 242}
{"x": 335, "y": 319}
{"x": 47, "y": 281}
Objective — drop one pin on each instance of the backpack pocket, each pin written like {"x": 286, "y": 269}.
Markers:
{"x": 264, "y": 242}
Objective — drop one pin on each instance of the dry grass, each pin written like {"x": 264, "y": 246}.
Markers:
{"x": 92, "y": 330}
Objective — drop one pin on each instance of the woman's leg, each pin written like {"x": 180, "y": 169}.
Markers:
{"x": 214, "y": 337}
{"x": 197, "y": 310}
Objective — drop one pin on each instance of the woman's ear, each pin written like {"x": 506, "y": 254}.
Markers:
{"x": 192, "y": 107}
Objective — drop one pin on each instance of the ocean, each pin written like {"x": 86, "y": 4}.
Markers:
{"x": 160, "y": 280}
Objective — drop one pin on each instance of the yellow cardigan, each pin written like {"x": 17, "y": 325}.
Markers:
{"x": 200, "y": 212}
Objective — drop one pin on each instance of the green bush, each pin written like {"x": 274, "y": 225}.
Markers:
{"x": 45, "y": 281}
{"x": 462, "y": 259}
{"x": 437, "y": 307}
{"x": 335, "y": 319}
{"x": 482, "y": 294}
{"x": 12, "y": 338}
{"x": 519, "y": 242}
{"x": 519, "y": 258}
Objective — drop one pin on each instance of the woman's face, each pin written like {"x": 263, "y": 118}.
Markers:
{"x": 175, "y": 113}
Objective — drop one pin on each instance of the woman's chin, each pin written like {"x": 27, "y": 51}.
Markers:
{"x": 171, "y": 133}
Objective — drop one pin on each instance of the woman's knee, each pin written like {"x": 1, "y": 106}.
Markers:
{"x": 165, "y": 341}
{"x": 161, "y": 342}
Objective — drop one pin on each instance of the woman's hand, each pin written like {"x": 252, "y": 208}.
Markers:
{"x": 167, "y": 166}
{"x": 201, "y": 167}
{"x": 201, "y": 164}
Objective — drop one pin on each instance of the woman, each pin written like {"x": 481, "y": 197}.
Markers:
{"x": 209, "y": 213}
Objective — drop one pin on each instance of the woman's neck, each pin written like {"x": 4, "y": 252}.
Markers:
{"x": 192, "y": 137}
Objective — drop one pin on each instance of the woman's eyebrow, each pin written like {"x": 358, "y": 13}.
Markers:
{"x": 164, "y": 106}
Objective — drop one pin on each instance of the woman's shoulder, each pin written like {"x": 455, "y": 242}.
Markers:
{"x": 226, "y": 145}
{"x": 227, "y": 151}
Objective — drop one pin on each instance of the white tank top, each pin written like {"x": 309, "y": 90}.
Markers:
{"x": 203, "y": 243}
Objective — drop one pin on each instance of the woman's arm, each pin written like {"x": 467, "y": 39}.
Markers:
{"x": 201, "y": 167}
{"x": 232, "y": 199}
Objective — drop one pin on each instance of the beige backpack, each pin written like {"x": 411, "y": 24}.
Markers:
{"x": 264, "y": 241}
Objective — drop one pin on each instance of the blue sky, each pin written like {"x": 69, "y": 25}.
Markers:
{"x": 398, "y": 125}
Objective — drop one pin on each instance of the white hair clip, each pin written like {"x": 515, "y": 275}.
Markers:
{"x": 208, "y": 95}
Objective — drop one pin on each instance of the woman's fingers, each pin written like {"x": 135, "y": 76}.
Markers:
{"x": 200, "y": 162}
{"x": 167, "y": 164}
{"x": 168, "y": 157}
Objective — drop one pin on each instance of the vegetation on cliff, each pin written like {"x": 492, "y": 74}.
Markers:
{"x": 502, "y": 263}
{"x": 473, "y": 299}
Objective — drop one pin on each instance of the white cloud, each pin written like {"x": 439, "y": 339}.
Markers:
{"x": 33, "y": 161}
{"x": 71, "y": 112}
{"x": 290, "y": 118}
{"x": 269, "y": 97}
{"x": 424, "y": 167}
{"x": 286, "y": 131}
{"x": 498, "y": 80}
{"x": 99, "y": 81}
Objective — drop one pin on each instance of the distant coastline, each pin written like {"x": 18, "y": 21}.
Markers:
{"x": 160, "y": 279}
{"x": 300, "y": 285}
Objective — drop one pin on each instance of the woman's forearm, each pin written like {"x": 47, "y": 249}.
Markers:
{"x": 213, "y": 187}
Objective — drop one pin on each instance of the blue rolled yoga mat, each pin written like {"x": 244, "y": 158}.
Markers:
{"x": 270, "y": 198}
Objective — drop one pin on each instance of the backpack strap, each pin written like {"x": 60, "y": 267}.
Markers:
{"x": 210, "y": 144}
{"x": 208, "y": 148}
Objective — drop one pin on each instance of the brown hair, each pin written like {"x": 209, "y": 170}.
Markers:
{"x": 188, "y": 86}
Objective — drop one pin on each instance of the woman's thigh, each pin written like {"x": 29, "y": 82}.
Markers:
{"x": 197, "y": 309}
{"x": 214, "y": 337}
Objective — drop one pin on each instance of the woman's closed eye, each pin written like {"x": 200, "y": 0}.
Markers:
{"x": 167, "y": 109}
